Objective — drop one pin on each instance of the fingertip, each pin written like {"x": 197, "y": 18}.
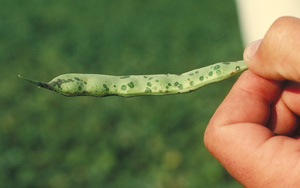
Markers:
{"x": 276, "y": 57}
{"x": 251, "y": 50}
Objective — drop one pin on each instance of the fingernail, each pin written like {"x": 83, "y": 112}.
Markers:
{"x": 251, "y": 50}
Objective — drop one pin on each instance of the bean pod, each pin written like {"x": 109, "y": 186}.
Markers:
{"x": 99, "y": 85}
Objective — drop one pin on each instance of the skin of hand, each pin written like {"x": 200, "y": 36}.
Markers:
{"x": 255, "y": 132}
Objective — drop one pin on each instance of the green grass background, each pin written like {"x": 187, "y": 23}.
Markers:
{"x": 47, "y": 140}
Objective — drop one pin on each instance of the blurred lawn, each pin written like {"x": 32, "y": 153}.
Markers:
{"x": 48, "y": 140}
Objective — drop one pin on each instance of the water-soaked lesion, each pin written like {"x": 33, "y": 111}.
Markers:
{"x": 180, "y": 86}
{"x": 123, "y": 87}
{"x": 168, "y": 86}
{"x": 148, "y": 90}
{"x": 216, "y": 67}
{"x": 106, "y": 87}
{"x": 59, "y": 82}
{"x": 131, "y": 85}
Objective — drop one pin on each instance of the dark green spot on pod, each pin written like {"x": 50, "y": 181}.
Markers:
{"x": 85, "y": 82}
{"x": 216, "y": 67}
{"x": 123, "y": 87}
{"x": 169, "y": 84}
{"x": 131, "y": 85}
{"x": 115, "y": 86}
{"x": 201, "y": 78}
{"x": 210, "y": 73}
{"x": 105, "y": 87}
{"x": 79, "y": 88}
{"x": 149, "y": 84}
{"x": 167, "y": 87}
{"x": 76, "y": 78}
{"x": 197, "y": 72}
{"x": 237, "y": 68}
{"x": 176, "y": 84}
{"x": 148, "y": 90}
{"x": 156, "y": 80}
{"x": 145, "y": 76}
{"x": 180, "y": 86}
{"x": 191, "y": 74}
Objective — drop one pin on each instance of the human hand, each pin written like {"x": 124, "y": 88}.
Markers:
{"x": 255, "y": 131}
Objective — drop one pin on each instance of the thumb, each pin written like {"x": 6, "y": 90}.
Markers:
{"x": 277, "y": 56}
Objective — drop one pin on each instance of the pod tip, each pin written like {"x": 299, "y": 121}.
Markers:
{"x": 35, "y": 82}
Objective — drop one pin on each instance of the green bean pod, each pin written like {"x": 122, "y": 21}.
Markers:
{"x": 99, "y": 85}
